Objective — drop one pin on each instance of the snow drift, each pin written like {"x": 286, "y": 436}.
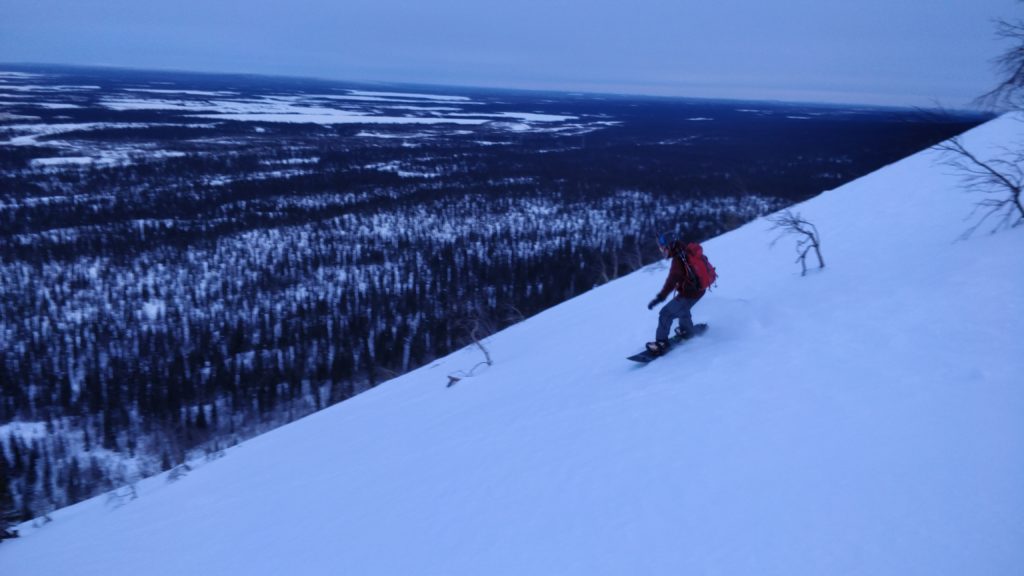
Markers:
{"x": 865, "y": 419}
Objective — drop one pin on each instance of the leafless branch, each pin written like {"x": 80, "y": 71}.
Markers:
{"x": 1010, "y": 65}
{"x": 807, "y": 236}
{"x": 478, "y": 326}
{"x": 999, "y": 180}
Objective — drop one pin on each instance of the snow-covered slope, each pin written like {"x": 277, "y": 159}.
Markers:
{"x": 867, "y": 419}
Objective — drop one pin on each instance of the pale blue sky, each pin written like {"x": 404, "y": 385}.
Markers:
{"x": 900, "y": 52}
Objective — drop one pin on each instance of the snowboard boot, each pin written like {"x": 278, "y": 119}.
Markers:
{"x": 687, "y": 334}
{"x": 658, "y": 347}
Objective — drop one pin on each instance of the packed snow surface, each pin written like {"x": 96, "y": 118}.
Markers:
{"x": 865, "y": 419}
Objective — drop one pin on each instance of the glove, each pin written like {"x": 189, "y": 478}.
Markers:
{"x": 654, "y": 303}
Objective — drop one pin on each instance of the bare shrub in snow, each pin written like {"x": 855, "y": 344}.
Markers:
{"x": 997, "y": 180}
{"x": 478, "y": 324}
{"x": 807, "y": 236}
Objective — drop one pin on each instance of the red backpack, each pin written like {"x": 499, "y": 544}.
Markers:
{"x": 698, "y": 266}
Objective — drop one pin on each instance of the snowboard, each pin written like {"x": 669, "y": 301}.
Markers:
{"x": 646, "y": 356}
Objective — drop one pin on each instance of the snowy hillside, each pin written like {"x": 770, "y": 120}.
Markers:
{"x": 866, "y": 419}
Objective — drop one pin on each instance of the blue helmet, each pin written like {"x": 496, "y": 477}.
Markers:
{"x": 665, "y": 239}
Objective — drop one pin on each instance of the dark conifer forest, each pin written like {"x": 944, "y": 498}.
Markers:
{"x": 187, "y": 261}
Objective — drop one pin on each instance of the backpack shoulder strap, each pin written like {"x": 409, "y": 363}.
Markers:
{"x": 691, "y": 275}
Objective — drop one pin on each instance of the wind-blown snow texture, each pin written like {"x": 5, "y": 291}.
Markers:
{"x": 867, "y": 419}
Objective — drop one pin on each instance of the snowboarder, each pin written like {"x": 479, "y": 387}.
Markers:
{"x": 687, "y": 286}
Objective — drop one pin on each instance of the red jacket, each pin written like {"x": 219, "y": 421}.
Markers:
{"x": 679, "y": 277}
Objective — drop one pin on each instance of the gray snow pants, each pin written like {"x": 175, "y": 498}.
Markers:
{"x": 677, "y": 308}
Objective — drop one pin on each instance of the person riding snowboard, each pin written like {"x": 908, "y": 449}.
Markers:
{"x": 686, "y": 284}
